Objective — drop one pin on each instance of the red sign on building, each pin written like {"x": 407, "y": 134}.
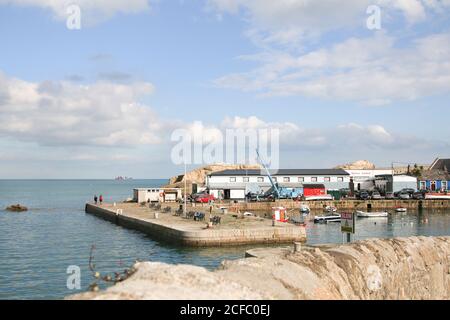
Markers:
{"x": 314, "y": 190}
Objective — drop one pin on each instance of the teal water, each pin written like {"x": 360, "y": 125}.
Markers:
{"x": 37, "y": 247}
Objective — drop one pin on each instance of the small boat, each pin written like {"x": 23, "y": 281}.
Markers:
{"x": 328, "y": 218}
{"x": 400, "y": 209}
{"x": 362, "y": 214}
{"x": 305, "y": 209}
{"x": 322, "y": 197}
{"x": 437, "y": 196}
{"x": 330, "y": 209}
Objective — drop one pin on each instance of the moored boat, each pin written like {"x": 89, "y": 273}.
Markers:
{"x": 363, "y": 214}
{"x": 328, "y": 218}
{"x": 437, "y": 196}
{"x": 304, "y": 209}
{"x": 401, "y": 209}
{"x": 321, "y": 197}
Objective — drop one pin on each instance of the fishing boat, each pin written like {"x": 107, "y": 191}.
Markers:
{"x": 437, "y": 196}
{"x": 334, "y": 217}
{"x": 363, "y": 214}
{"x": 401, "y": 209}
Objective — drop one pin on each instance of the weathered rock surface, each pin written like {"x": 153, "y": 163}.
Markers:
{"x": 357, "y": 165}
{"x": 17, "y": 208}
{"x": 401, "y": 268}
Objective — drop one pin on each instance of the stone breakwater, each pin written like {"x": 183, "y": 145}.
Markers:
{"x": 400, "y": 268}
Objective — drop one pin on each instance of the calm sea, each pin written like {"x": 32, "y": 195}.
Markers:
{"x": 37, "y": 247}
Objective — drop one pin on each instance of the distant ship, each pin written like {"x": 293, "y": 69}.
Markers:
{"x": 120, "y": 178}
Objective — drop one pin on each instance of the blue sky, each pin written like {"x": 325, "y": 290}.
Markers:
{"x": 103, "y": 101}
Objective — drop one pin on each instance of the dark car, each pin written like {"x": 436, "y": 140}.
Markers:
{"x": 418, "y": 196}
{"x": 363, "y": 195}
{"x": 410, "y": 191}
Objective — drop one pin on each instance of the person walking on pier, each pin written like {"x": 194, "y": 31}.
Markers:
{"x": 101, "y": 199}
{"x": 95, "y": 199}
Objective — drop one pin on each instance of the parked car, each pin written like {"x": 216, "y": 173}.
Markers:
{"x": 418, "y": 196}
{"x": 204, "y": 198}
{"x": 410, "y": 191}
{"x": 363, "y": 195}
{"x": 404, "y": 195}
{"x": 389, "y": 196}
{"x": 375, "y": 195}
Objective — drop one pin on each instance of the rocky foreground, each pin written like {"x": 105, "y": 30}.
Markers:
{"x": 401, "y": 268}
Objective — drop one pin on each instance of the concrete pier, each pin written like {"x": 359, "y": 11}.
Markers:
{"x": 173, "y": 229}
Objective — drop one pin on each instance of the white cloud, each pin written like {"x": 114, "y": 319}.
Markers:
{"x": 346, "y": 135}
{"x": 91, "y": 10}
{"x": 287, "y": 21}
{"x": 373, "y": 71}
{"x": 63, "y": 113}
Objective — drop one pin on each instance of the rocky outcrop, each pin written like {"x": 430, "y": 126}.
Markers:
{"x": 357, "y": 165}
{"x": 401, "y": 268}
{"x": 17, "y": 208}
{"x": 198, "y": 176}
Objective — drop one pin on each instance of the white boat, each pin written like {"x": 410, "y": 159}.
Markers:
{"x": 401, "y": 209}
{"x": 322, "y": 197}
{"x": 363, "y": 214}
{"x": 304, "y": 209}
{"x": 330, "y": 209}
{"x": 328, "y": 218}
{"x": 437, "y": 196}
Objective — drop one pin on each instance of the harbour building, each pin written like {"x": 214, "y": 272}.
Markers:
{"x": 235, "y": 184}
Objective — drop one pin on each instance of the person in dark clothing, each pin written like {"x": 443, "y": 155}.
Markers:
{"x": 101, "y": 199}
{"x": 95, "y": 199}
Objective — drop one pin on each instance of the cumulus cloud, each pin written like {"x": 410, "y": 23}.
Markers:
{"x": 292, "y": 136}
{"x": 63, "y": 113}
{"x": 287, "y": 21}
{"x": 91, "y": 10}
{"x": 373, "y": 71}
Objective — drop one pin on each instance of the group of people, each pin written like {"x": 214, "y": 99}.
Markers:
{"x": 98, "y": 199}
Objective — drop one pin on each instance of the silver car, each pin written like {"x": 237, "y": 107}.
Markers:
{"x": 376, "y": 195}
{"x": 404, "y": 196}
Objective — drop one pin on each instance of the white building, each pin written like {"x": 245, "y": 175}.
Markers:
{"x": 141, "y": 195}
{"x": 235, "y": 184}
{"x": 365, "y": 179}
{"x": 389, "y": 183}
